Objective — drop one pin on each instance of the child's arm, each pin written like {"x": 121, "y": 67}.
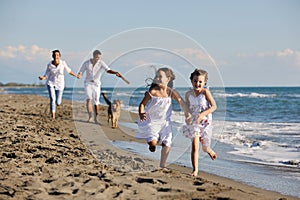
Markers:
{"x": 211, "y": 109}
{"x": 187, "y": 101}
{"x": 178, "y": 98}
{"x": 142, "y": 106}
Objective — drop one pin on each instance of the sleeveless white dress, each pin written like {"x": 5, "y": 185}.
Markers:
{"x": 199, "y": 104}
{"x": 158, "y": 123}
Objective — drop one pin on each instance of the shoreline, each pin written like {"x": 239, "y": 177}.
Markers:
{"x": 69, "y": 158}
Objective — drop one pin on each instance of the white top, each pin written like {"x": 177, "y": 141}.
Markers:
{"x": 159, "y": 109}
{"x": 93, "y": 73}
{"x": 199, "y": 104}
{"x": 158, "y": 122}
{"x": 55, "y": 74}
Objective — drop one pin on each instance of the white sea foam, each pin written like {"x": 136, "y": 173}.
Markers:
{"x": 133, "y": 109}
{"x": 121, "y": 94}
{"x": 263, "y": 141}
{"x": 78, "y": 92}
{"x": 247, "y": 95}
{"x": 69, "y": 92}
{"x": 293, "y": 95}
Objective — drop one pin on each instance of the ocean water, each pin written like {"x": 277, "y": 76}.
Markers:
{"x": 256, "y": 133}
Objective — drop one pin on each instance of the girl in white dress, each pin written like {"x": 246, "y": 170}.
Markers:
{"x": 155, "y": 119}
{"x": 201, "y": 105}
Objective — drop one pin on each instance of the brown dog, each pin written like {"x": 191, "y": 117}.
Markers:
{"x": 113, "y": 111}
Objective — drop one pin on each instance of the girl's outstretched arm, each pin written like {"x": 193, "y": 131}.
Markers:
{"x": 178, "y": 98}
{"x": 187, "y": 101}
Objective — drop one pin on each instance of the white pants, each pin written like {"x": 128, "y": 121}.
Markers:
{"x": 92, "y": 92}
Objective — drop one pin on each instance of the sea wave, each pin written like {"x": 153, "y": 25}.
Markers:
{"x": 251, "y": 95}
{"x": 293, "y": 95}
{"x": 268, "y": 142}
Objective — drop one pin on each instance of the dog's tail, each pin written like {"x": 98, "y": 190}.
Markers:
{"x": 108, "y": 102}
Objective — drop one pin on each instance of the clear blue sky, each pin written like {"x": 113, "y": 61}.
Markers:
{"x": 253, "y": 43}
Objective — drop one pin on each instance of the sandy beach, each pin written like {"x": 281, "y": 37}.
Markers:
{"x": 68, "y": 158}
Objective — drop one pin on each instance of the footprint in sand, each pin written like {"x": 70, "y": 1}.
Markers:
{"x": 150, "y": 180}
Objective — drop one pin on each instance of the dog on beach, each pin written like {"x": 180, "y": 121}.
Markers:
{"x": 113, "y": 111}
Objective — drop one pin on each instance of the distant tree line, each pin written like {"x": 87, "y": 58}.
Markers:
{"x": 14, "y": 84}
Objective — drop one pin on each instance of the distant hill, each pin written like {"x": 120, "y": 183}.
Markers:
{"x": 13, "y": 84}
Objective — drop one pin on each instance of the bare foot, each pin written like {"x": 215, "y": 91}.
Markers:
{"x": 90, "y": 119}
{"x": 195, "y": 173}
{"x": 165, "y": 169}
{"x": 212, "y": 155}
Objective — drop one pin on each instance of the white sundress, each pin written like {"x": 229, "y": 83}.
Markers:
{"x": 158, "y": 123}
{"x": 199, "y": 104}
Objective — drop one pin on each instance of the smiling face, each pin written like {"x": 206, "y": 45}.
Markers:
{"x": 161, "y": 78}
{"x": 96, "y": 58}
{"x": 198, "y": 82}
{"x": 56, "y": 55}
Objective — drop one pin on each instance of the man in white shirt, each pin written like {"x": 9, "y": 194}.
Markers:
{"x": 94, "y": 69}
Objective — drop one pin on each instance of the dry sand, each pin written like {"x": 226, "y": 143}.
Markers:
{"x": 67, "y": 158}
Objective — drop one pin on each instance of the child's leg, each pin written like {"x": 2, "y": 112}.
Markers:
{"x": 164, "y": 155}
{"x": 210, "y": 152}
{"x": 206, "y": 141}
{"x": 195, "y": 155}
{"x": 152, "y": 145}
